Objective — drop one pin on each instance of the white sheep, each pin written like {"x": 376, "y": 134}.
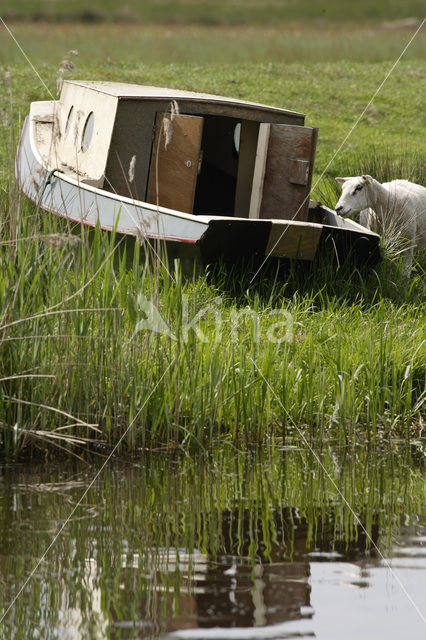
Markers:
{"x": 394, "y": 209}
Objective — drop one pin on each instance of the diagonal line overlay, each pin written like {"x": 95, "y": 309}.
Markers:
{"x": 355, "y": 515}
{"x": 342, "y": 144}
{"x": 86, "y": 491}
{"x": 26, "y": 58}
{"x": 397, "y": 579}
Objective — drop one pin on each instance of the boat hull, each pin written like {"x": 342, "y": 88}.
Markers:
{"x": 214, "y": 237}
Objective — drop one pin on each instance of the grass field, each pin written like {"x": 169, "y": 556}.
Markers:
{"x": 109, "y": 43}
{"x": 352, "y": 364}
{"x": 247, "y": 12}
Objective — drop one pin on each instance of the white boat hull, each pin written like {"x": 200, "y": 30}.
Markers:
{"x": 216, "y": 236}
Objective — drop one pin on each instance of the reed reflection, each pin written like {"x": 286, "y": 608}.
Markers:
{"x": 167, "y": 545}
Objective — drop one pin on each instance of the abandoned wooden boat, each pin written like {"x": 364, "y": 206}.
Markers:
{"x": 229, "y": 178}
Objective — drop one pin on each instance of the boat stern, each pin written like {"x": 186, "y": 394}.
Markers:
{"x": 35, "y": 155}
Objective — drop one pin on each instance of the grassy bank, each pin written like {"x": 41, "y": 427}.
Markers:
{"x": 321, "y": 352}
{"x": 327, "y": 352}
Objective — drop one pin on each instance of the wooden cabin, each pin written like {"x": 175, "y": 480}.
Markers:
{"x": 214, "y": 156}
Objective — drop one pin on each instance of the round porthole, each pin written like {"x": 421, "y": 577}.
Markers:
{"x": 87, "y": 131}
{"x": 69, "y": 119}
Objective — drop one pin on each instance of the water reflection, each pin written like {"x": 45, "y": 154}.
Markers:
{"x": 227, "y": 546}
{"x": 235, "y": 588}
{"x": 72, "y": 605}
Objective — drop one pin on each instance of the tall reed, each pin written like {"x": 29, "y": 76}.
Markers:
{"x": 68, "y": 343}
{"x": 98, "y": 334}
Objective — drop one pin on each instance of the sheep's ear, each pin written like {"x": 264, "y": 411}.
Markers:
{"x": 367, "y": 179}
{"x": 341, "y": 180}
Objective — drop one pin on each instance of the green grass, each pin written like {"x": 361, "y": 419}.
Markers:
{"x": 212, "y": 12}
{"x": 347, "y": 364}
{"x": 291, "y": 42}
{"x": 352, "y": 362}
{"x": 333, "y": 95}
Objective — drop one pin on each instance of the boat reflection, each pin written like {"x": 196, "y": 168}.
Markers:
{"x": 260, "y": 577}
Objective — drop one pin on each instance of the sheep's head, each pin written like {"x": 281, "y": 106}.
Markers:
{"x": 356, "y": 195}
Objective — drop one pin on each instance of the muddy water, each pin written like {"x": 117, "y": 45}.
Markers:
{"x": 233, "y": 545}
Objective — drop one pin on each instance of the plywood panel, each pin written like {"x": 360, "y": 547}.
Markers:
{"x": 132, "y": 136}
{"x": 288, "y": 172}
{"x": 88, "y": 163}
{"x": 175, "y": 162}
{"x": 293, "y": 241}
{"x": 141, "y": 92}
{"x": 240, "y": 112}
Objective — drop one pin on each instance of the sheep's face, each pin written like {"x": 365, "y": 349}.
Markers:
{"x": 355, "y": 195}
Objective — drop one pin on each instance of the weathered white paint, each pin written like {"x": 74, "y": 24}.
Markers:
{"x": 88, "y": 165}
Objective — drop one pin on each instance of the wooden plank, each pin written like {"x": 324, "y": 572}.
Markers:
{"x": 246, "y": 163}
{"x": 240, "y": 112}
{"x": 293, "y": 241}
{"x": 175, "y": 162}
{"x": 288, "y": 172}
{"x": 132, "y": 136}
{"x": 259, "y": 170}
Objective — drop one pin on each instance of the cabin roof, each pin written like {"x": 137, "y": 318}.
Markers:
{"x": 144, "y": 92}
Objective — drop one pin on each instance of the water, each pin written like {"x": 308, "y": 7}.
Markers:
{"x": 232, "y": 545}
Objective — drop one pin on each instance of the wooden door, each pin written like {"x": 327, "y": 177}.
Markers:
{"x": 175, "y": 159}
{"x": 283, "y": 172}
